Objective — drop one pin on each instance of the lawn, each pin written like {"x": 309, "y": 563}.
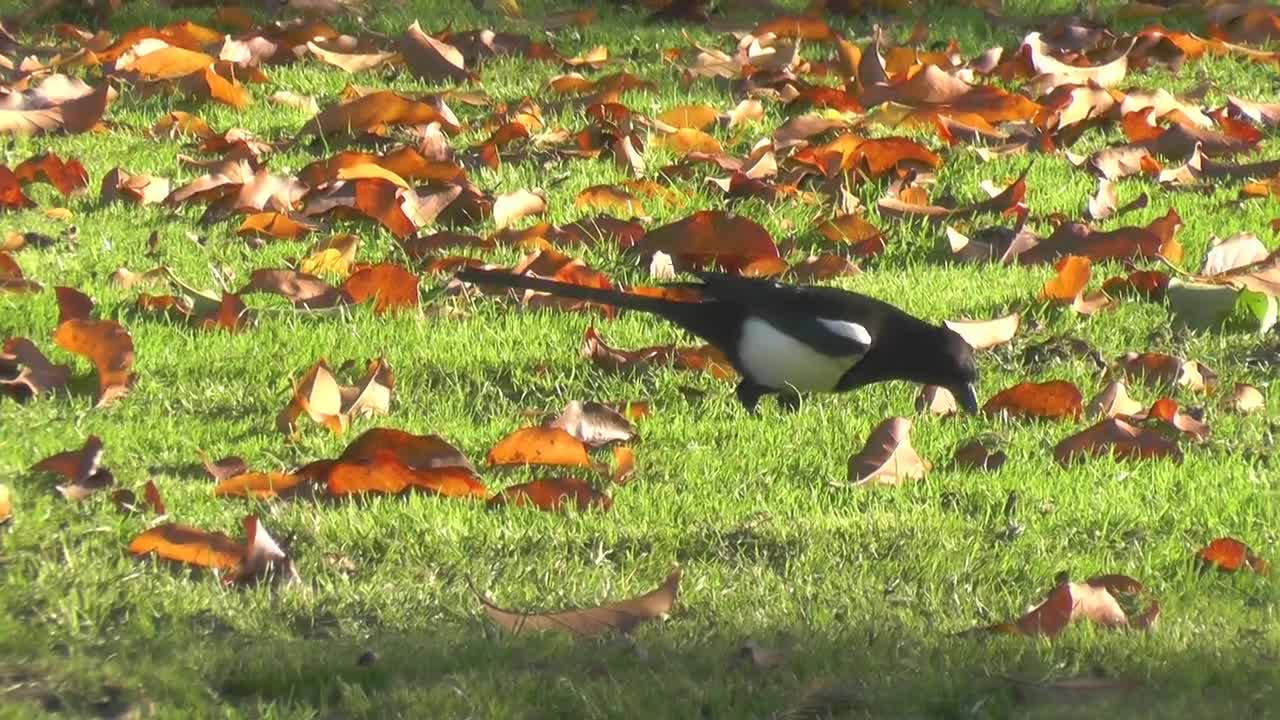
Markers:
{"x": 863, "y": 589}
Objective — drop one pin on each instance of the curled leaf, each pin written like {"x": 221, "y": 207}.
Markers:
{"x": 887, "y": 458}
{"x": 553, "y": 494}
{"x": 620, "y": 617}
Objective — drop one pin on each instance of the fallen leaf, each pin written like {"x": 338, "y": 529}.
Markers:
{"x": 986, "y": 334}
{"x": 278, "y": 225}
{"x": 620, "y": 617}
{"x": 67, "y": 176}
{"x": 6, "y": 505}
{"x": 1070, "y": 691}
{"x": 888, "y": 458}
{"x": 1166, "y": 410}
{"x": 11, "y": 195}
{"x": 378, "y": 110}
{"x": 351, "y": 62}
{"x": 1238, "y": 251}
{"x": 385, "y": 473}
{"x": 1114, "y": 401}
{"x": 303, "y": 103}
{"x": 25, "y": 372}
{"x": 419, "y": 452}
{"x": 431, "y": 59}
{"x": 553, "y": 494}
{"x": 11, "y": 277}
{"x": 1069, "y": 282}
{"x": 863, "y": 238}
{"x": 1229, "y": 555}
{"x": 709, "y": 236}
{"x": 320, "y": 397}
{"x": 180, "y": 543}
{"x": 936, "y": 401}
{"x": 1095, "y": 600}
{"x": 1119, "y": 439}
{"x": 980, "y": 454}
{"x": 391, "y": 287}
{"x": 519, "y": 204}
{"x": 594, "y": 424}
{"x": 1056, "y": 399}
{"x": 119, "y": 184}
{"x": 81, "y": 469}
{"x": 539, "y": 446}
{"x": 301, "y": 289}
{"x": 223, "y": 468}
{"x": 1247, "y": 399}
{"x": 108, "y": 346}
{"x": 1161, "y": 369}
{"x": 704, "y": 357}
{"x": 624, "y": 464}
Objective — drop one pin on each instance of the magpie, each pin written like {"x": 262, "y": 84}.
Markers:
{"x": 787, "y": 339}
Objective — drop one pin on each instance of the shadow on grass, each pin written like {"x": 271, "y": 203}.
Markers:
{"x": 470, "y": 671}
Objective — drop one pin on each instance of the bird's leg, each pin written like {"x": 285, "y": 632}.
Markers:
{"x": 749, "y": 395}
{"x": 789, "y": 401}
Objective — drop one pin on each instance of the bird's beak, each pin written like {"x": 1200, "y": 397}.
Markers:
{"x": 967, "y": 396}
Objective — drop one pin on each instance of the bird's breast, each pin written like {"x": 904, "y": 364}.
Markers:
{"x": 777, "y": 360}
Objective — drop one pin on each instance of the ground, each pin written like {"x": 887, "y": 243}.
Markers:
{"x": 866, "y": 587}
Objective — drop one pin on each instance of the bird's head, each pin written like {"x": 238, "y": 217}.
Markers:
{"x": 956, "y": 369}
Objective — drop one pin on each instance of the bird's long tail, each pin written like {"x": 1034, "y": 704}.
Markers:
{"x": 616, "y": 298}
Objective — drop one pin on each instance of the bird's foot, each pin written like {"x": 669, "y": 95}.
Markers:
{"x": 749, "y": 395}
{"x": 788, "y": 401}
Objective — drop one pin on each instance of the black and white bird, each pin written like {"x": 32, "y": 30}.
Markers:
{"x": 788, "y": 339}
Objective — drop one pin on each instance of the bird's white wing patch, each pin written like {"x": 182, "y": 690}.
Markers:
{"x": 778, "y": 361}
{"x": 844, "y": 328}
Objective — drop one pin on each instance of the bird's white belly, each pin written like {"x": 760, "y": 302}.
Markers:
{"x": 778, "y": 361}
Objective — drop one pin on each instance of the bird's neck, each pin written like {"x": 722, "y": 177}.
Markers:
{"x": 904, "y": 352}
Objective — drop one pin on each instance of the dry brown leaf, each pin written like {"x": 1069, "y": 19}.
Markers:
{"x": 1247, "y": 399}
{"x": 1114, "y": 401}
{"x": 25, "y": 372}
{"x": 1118, "y": 438}
{"x": 936, "y": 401}
{"x": 888, "y": 458}
{"x": 986, "y": 334}
{"x": 594, "y": 424}
{"x": 620, "y": 617}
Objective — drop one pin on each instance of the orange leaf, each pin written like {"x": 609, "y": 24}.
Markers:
{"x": 553, "y": 494}
{"x": 378, "y": 109}
{"x": 863, "y": 237}
{"x": 6, "y": 505}
{"x": 11, "y": 195}
{"x": 387, "y": 475}
{"x": 67, "y": 177}
{"x": 710, "y": 236}
{"x": 274, "y": 224}
{"x": 1229, "y": 555}
{"x": 1056, "y": 399}
{"x": 1070, "y": 282}
{"x": 390, "y": 286}
{"x": 108, "y": 346}
{"x": 421, "y": 452}
{"x": 189, "y": 545}
{"x": 260, "y": 485}
{"x": 540, "y": 446}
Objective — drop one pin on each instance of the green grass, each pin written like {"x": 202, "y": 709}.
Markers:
{"x": 866, "y": 586}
